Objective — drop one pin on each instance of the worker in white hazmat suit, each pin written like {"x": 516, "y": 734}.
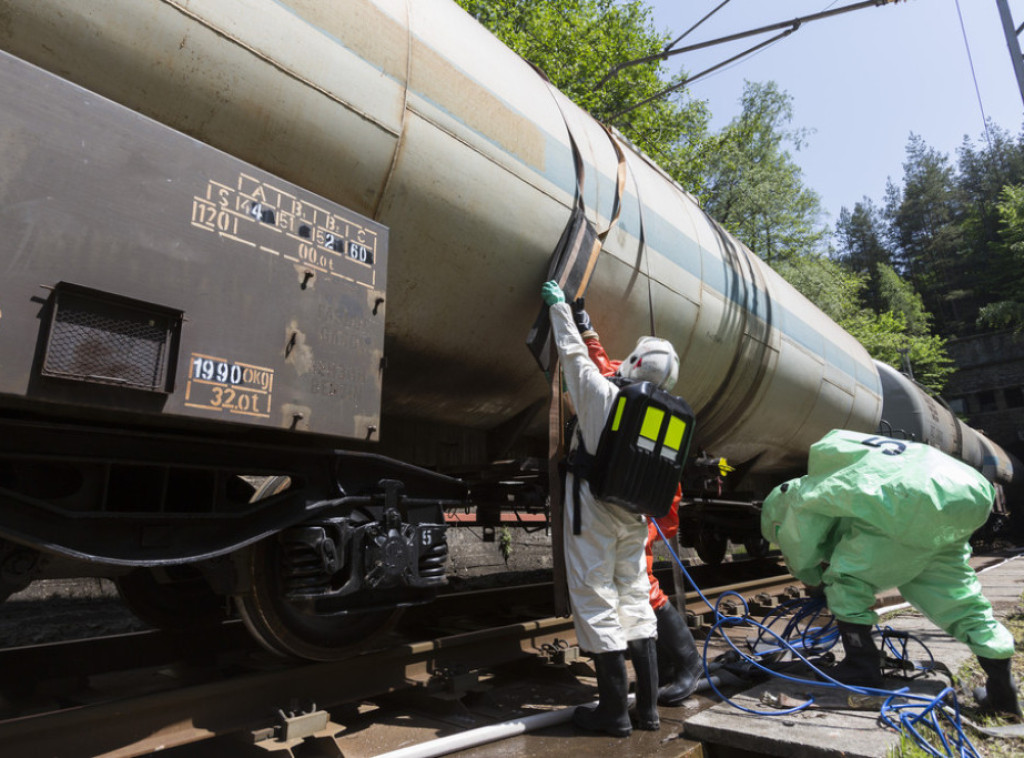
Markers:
{"x": 605, "y": 561}
{"x": 874, "y": 513}
{"x": 680, "y": 664}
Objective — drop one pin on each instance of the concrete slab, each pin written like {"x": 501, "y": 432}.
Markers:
{"x": 833, "y": 728}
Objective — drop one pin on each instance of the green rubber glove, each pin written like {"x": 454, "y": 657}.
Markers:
{"x": 552, "y": 293}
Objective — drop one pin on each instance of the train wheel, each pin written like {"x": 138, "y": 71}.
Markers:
{"x": 756, "y": 547}
{"x": 177, "y": 600}
{"x": 295, "y": 629}
{"x": 710, "y": 546}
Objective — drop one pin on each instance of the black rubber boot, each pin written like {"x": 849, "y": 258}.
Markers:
{"x": 999, "y": 695}
{"x": 611, "y": 714}
{"x": 644, "y": 655}
{"x": 679, "y": 662}
{"x": 862, "y": 666}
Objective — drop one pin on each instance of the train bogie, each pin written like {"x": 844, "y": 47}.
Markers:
{"x": 176, "y": 322}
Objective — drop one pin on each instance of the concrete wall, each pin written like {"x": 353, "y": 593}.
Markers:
{"x": 988, "y": 387}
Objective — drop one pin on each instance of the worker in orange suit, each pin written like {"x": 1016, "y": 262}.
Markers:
{"x": 679, "y": 662}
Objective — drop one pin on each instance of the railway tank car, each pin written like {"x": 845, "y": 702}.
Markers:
{"x": 320, "y": 230}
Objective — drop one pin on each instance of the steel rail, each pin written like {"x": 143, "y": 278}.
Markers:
{"x": 138, "y": 721}
{"x": 135, "y": 720}
{"x": 134, "y": 726}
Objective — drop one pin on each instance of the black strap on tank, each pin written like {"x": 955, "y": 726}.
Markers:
{"x": 572, "y": 264}
{"x": 580, "y": 464}
{"x": 557, "y": 501}
{"x": 575, "y": 255}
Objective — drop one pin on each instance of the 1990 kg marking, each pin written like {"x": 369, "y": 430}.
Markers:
{"x": 211, "y": 370}
{"x": 221, "y": 385}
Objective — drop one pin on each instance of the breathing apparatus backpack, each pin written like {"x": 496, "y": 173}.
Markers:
{"x": 641, "y": 453}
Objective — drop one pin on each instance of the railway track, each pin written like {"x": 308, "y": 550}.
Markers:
{"x": 137, "y": 694}
{"x": 134, "y": 694}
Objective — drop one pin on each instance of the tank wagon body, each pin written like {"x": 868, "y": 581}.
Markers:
{"x": 911, "y": 412}
{"x": 339, "y": 214}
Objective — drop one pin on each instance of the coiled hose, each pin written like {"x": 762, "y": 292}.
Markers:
{"x": 811, "y": 630}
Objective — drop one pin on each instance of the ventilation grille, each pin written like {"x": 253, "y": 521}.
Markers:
{"x": 105, "y": 339}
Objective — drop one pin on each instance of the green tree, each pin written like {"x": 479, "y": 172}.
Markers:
{"x": 926, "y": 236}
{"x": 992, "y": 271}
{"x": 1011, "y": 220}
{"x": 901, "y": 326}
{"x": 885, "y": 336}
{"x": 897, "y": 296}
{"x": 982, "y": 173}
{"x": 577, "y": 42}
{"x": 860, "y": 239}
{"x": 755, "y": 189}
{"x": 1009, "y": 312}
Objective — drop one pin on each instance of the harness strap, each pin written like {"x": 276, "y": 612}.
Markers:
{"x": 620, "y": 182}
{"x": 557, "y": 508}
{"x": 580, "y": 463}
{"x": 585, "y": 249}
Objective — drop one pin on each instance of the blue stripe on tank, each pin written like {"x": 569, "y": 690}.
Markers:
{"x": 675, "y": 245}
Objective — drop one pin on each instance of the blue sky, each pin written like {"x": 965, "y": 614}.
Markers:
{"x": 863, "y": 81}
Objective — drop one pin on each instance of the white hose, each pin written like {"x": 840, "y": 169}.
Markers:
{"x": 485, "y": 734}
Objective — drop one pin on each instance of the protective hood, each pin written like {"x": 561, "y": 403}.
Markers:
{"x": 908, "y": 491}
{"x": 652, "y": 360}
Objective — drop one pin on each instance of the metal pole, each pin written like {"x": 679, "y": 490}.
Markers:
{"x": 1013, "y": 43}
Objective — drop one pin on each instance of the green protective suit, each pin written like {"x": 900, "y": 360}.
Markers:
{"x": 875, "y": 513}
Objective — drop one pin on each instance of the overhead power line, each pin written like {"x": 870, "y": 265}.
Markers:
{"x": 685, "y": 34}
{"x": 974, "y": 76}
{"x": 789, "y": 26}
{"x": 705, "y": 72}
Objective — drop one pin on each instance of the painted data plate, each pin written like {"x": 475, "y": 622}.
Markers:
{"x": 270, "y": 219}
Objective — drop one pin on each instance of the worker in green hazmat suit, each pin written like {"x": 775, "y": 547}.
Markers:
{"x": 874, "y": 513}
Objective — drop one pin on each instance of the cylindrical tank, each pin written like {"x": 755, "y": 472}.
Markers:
{"x": 412, "y": 114}
{"x": 909, "y": 412}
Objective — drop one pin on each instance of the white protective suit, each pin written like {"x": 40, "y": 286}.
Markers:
{"x": 605, "y": 563}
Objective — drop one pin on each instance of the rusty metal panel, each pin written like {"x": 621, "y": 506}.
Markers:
{"x": 144, "y": 271}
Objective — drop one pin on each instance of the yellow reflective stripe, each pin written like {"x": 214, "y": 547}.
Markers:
{"x": 652, "y": 423}
{"x": 674, "y": 435}
{"x": 618, "y": 414}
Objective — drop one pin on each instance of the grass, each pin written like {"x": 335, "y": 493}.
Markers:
{"x": 967, "y": 678}
{"x": 970, "y": 676}
{"x": 907, "y": 748}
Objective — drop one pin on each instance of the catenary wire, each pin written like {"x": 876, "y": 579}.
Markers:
{"x": 974, "y": 76}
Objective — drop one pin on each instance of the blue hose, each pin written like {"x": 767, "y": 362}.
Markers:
{"x": 814, "y": 638}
